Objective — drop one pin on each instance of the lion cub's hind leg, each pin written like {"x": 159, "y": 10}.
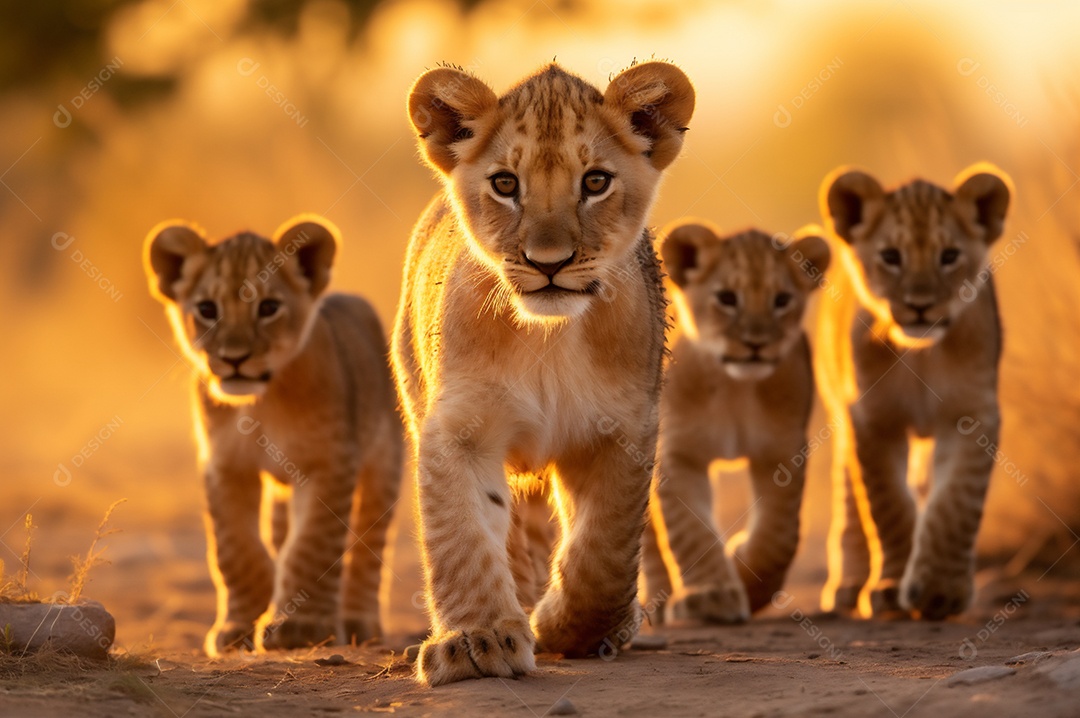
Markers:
{"x": 711, "y": 590}
{"x": 763, "y": 559}
{"x": 531, "y": 539}
{"x": 591, "y": 605}
{"x": 655, "y": 579}
{"x": 852, "y": 562}
{"x": 883, "y": 455}
{"x": 939, "y": 579}
{"x": 306, "y": 594}
{"x": 373, "y": 502}
{"x": 234, "y": 498}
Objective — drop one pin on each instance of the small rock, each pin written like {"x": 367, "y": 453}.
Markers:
{"x": 412, "y": 653}
{"x": 1065, "y": 673}
{"x": 563, "y": 707}
{"x": 648, "y": 642}
{"x": 335, "y": 660}
{"x": 1031, "y": 657}
{"x": 85, "y": 629}
{"x": 812, "y": 656}
{"x": 982, "y": 674}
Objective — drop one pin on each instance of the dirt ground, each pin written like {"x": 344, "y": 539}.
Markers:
{"x": 786, "y": 662}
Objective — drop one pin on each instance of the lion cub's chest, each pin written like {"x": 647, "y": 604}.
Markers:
{"x": 929, "y": 386}
{"x": 732, "y": 418}
{"x": 548, "y": 392}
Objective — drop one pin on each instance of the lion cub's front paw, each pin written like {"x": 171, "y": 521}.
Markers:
{"x": 296, "y": 632}
{"x": 361, "y": 628}
{"x": 885, "y": 601}
{"x": 504, "y": 650}
{"x": 231, "y": 637}
{"x": 721, "y": 603}
{"x": 846, "y": 600}
{"x": 934, "y": 592}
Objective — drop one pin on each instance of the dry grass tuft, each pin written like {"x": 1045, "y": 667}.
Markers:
{"x": 15, "y": 590}
{"x": 83, "y": 564}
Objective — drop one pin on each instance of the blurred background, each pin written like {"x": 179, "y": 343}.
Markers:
{"x": 237, "y": 114}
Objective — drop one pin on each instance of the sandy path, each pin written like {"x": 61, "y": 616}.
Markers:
{"x": 780, "y": 664}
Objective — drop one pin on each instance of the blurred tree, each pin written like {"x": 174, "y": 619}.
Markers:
{"x": 40, "y": 42}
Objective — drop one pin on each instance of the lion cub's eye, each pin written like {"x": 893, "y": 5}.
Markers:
{"x": 727, "y": 298}
{"x": 949, "y": 256}
{"x": 891, "y": 257}
{"x": 207, "y": 309}
{"x": 269, "y": 307}
{"x": 504, "y": 184}
{"x": 782, "y": 300}
{"x": 595, "y": 183}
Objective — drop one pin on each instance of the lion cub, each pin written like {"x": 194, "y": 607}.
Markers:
{"x": 529, "y": 340}
{"x": 739, "y": 385}
{"x": 296, "y": 387}
{"x": 913, "y": 355}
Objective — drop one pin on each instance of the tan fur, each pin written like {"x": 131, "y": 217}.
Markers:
{"x": 304, "y": 396}
{"x": 913, "y": 354}
{"x": 739, "y": 385}
{"x": 502, "y": 377}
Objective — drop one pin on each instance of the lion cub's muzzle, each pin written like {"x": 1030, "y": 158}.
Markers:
{"x": 922, "y": 321}
{"x": 750, "y": 360}
{"x": 236, "y": 379}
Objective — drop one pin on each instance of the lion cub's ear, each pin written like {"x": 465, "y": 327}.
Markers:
{"x": 982, "y": 198}
{"x": 658, "y": 99}
{"x": 680, "y": 250}
{"x": 168, "y": 246}
{"x": 850, "y": 199}
{"x": 446, "y": 107}
{"x": 812, "y": 255}
{"x": 313, "y": 240}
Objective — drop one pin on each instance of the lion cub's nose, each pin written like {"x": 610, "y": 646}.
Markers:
{"x": 234, "y": 356}
{"x": 549, "y": 267}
